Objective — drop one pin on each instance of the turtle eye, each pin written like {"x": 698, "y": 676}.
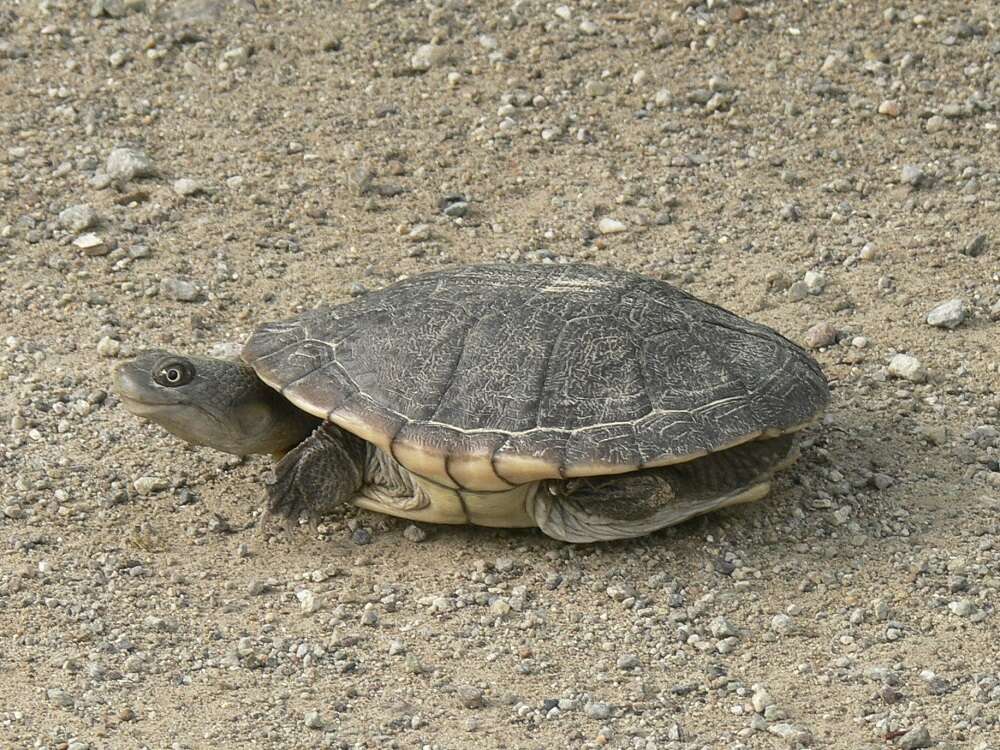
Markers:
{"x": 173, "y": 373}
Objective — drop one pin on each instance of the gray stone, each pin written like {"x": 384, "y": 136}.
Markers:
{"x": 597, "y": 710}
{"x": 962, "y": 607}
{"x": 127, "y": 164}
{"x": 975, "y": 247}
{"x": 798, "y": 291}
{"x": 782, "y": 624}
{"x": 761, "y": 699}
{"x": 916, "y": 738}
{"x": 361, "y": 536}
{"x": 149, "y": 485}
{"x": 793, "y": 734}
{"x": 912, "y": 175}
{"x": 182, "y": 290}
{"x": 815, "y": 282}
{"x": 627, "y": 662}
{"x": 78, "y": 218}
{"x": 948, "y": 314}
{"x": 820, "y": 335}
{"x": 313, "y": 720}
{"x": 60, "y": 697}
{"x": 414, "y": 534}
{"x": 427, "y": 56}
{"x": 309, "y": 601}
{"x": 470, "y": 697}
{"x": 92, "y": 245}
{"x": 907, "y": 367}
{"x": 185, "y": 186}
{"x": 720, "y": 627}
{"x": 607, "y": 225}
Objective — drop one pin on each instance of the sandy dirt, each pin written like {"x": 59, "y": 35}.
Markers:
{"x": 799, "y": 163}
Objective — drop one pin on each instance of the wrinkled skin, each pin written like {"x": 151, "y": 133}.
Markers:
{"x": 214, "y": 402}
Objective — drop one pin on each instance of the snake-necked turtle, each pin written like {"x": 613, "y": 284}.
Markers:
{"x": 589, "y": 402}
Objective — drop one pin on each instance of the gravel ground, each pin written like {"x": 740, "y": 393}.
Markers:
{"x": 172, "y": 173}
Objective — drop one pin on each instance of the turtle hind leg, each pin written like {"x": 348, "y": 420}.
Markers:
{"x": 621, "y": 506}
{"x": 323, "y": 471}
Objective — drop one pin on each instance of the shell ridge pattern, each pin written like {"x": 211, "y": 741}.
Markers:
{"x": 632, "y": 287}
{"x": 493, "y": 460}
{"x": 726, "y": 366}
{"x": 454, "y": 368}
{"x": 301, "y": 353}
{"x": 279, "y": 350}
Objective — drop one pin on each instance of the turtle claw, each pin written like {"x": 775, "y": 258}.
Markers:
{"x": 282, "y": 511}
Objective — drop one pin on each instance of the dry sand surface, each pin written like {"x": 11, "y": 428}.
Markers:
{"x": 831, "y": 169}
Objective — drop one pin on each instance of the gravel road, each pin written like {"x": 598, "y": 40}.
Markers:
{"x": 173, "y": 173}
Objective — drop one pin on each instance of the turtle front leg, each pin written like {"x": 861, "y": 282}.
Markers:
{"x": 323, "y": 471}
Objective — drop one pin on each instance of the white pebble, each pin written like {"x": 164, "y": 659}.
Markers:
{"x": 607, "y": 225}
{"x": 948, "y": 314}
{"x": 109, "y": 347}
{"x": 908, "y": 367}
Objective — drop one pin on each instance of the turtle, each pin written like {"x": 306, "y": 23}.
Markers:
{"x": 590, "y": 402}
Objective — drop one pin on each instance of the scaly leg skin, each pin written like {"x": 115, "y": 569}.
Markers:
{"x": 601, "y": 508}
{"x": 323, "y": 471}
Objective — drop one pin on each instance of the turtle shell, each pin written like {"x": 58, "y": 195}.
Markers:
{"x": 486, "y": 377}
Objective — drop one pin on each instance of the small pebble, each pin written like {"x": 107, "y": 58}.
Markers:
{"x": 782, "y": 624}
{"x": 361, "y": 536}
{"x": 313, "y": 720}
{"x": 975, "y": 247}
{"x": 798, "y": 291}
{"x": 889, "y": 108}
{"x": 912, "y": 175}
{"x": 179, "y": 289}
{"x": 597, "y": 711}
{"x": 186, "y": 186}
{"x": 962, "y": 607}
{"x": 607, "y": 225}
{"x": 414, "y": 533}
{"x": 761, "y": 699}
{"x": 916, "y": 738}
{"x": 149, "y": 485}
{"x": 427, "y": 56}
{"x": 470, "y": 697}
{"x": 948, "y": 314}
{"x": 309, "y": 601}
{"x": 820, "y": 335}
{"x": 815, "y": 282}
{"x": 907, "y": 367}
{"x": 127, "y": 164}
{"x": 108, "y": 347}
{"x": 627, "y": 662}
{"x": 78, "y": 218}
{"x": 91, "y": 245}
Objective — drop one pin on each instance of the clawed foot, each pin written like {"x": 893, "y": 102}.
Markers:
{"x": 321, "y": 472}
{"x": 285, "y": 506}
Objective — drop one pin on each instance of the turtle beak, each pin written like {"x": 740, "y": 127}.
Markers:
{"x": 139, "y": 393}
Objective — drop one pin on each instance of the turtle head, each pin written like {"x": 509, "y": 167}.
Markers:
{"x": 215, "y": 402}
